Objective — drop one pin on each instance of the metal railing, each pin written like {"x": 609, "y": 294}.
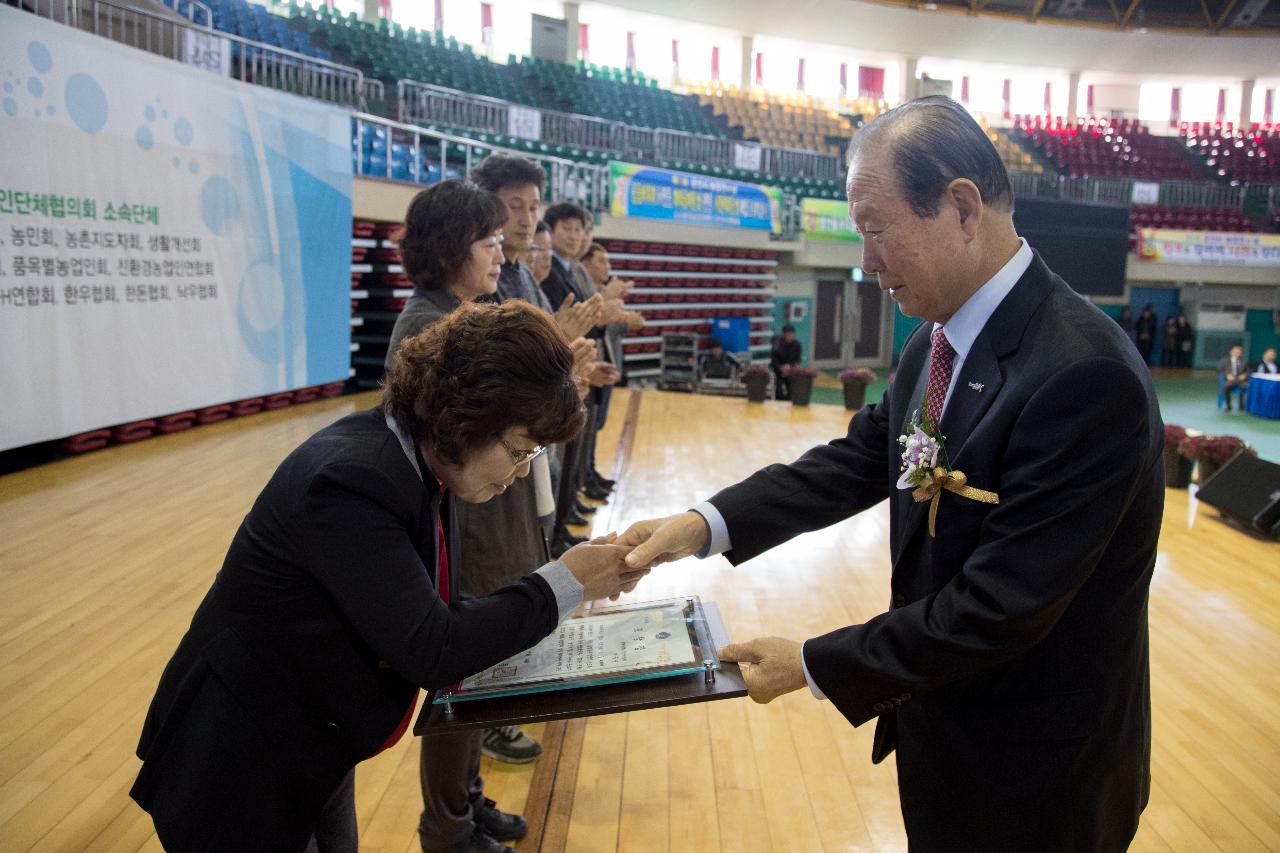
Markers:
{"x": 429, "y": 104}
{"x": 409, "y": 153}
{"x": 1119, "y": 191}
{"x": 183, "y": 41}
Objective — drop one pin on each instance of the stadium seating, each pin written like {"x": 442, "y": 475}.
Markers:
{"x": 1191, "y": 218}
{"x": 1015, "y": 157}
{"x": 1243, "y": 157}
{"x": 254, "y": 22}
{"x": 616, "y": 95}
{"x": 791, "y": 122}
{"x": 1102, "y": 147}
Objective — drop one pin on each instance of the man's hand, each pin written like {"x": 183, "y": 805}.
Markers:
{"x": 599, "y": 567}
{"x": 612, "y": 312}
{"x": 771, "y": 666}
{"x": 662, "y": 540}
{"x": 635, "y": 322}
{"x": 617, "y": 288}
{"x": 575, "y": 320}
{"x": 602, "y": 373}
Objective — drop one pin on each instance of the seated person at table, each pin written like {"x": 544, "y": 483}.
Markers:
{"x": 717, "y": 364}
{"x": 1234, "y": 371}
{"x": 1268, "y": 364}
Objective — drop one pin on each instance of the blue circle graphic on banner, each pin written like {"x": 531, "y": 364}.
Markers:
{"x": 86, "y": 103}
{"x": 150, "y": 113}
{"x": 38, "y": 54}
{"x": 10, "y": 107}
{"x": 260, "y": 306}
{"x": 35, "y": 86}
{"x": 219, "y": 205}
{"x": 143, "y": 137}
{"x": 183, "y": 132}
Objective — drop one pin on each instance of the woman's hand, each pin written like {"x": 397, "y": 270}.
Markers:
{"x": 600, "y": 567}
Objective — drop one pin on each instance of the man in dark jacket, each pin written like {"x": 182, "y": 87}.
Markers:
{"x": 1010, "y": 673}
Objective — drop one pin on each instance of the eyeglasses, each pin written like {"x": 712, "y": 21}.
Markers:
{"x": 520, "y": 456}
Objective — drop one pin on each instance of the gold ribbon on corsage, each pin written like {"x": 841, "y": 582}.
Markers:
{"x": 938, "y": 479}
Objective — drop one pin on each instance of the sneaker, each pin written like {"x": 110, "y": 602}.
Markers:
{"x": 511, "y": 745}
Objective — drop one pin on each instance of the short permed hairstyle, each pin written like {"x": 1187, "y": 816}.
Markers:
{"x": 934, "y": 141}
{"x": 439, "y": 227}
{"x": 557, "y": 213}
{"x": 462, "y": 382}
{"x": 508, "y": 170}
{"x": 592, "y": 250}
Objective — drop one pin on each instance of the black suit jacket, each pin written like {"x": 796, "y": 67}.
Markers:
{"x": 308, "y": 649}
{"x": 1011, "y": 670}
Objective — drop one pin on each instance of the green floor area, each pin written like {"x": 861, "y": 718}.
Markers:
{"x": 1188, "y": 400}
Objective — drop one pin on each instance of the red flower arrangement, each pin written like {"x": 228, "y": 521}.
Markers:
{"x": 801, "y": 371}
{"x": 1173, "y": 435}
{"x": 756, "y": 370}
{"x": 1214, "y": 449}
{"x": 857, "y": 374}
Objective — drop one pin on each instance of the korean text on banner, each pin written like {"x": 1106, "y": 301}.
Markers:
{"x": 1209, "y": 248}
{"x": 827, "y": 219}
{"x": 169, "y": 238}
{"x": 644, "y": 192}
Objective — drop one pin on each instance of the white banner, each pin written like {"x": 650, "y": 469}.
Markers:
{"x": 207, "y": 51}
{"x": 747, "y": 157}
{"x": 1145, "y": 192}
{"x": 168, "y": 239}
{"x": 524, "y": 122}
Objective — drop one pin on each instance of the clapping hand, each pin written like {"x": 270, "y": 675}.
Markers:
{"x": 575, "y": 320}
{"x": 771, "y": 666}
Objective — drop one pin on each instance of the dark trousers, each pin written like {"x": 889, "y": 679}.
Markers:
{"x": 449, "y": 770}
{"x": 781, "y": 388}
{"x": 336, "y": 830}
{"x": 573, "y": 472}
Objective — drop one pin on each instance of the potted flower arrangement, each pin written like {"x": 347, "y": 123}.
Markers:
{"x": 1211, "y": 452}
{"x": 855, "y": 381}
{"x": 1177, "y": 468}
{"x": 800, "y": 381}
{"x": 756, "y": 378}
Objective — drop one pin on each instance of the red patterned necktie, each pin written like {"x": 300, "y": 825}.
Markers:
{"x": 940, "y": 362}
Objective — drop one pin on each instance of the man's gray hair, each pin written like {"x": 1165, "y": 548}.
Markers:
{"x": 934, "y": 141}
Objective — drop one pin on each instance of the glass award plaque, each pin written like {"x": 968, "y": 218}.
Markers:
{"x": 608, "y": 645}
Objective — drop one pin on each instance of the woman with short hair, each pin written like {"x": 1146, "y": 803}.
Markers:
{"x": 336, "y": 603}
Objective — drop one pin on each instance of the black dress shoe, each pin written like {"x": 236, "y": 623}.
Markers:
{"x": 596, "y": 493}
{"x": 584, "y": 509}
{"x": 499, "y": 824}
{"x": 479, "y": 842}
{"x": 603, "y": 482}
{"x": 575, "y": 519}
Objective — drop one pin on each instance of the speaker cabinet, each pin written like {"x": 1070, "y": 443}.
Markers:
{"x": 1247, "y": 489}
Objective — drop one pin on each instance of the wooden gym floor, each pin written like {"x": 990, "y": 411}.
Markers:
{"x": 103, "y": 559}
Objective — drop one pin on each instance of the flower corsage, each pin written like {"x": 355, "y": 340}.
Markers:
{"x": 927, "y": 471}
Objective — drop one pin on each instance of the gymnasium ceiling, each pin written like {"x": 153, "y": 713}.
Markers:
{"x": 1159, "y": 38}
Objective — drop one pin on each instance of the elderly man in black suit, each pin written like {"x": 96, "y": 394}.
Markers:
{"x": 1010, "y": 672}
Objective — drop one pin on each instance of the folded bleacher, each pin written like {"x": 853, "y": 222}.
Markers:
{"x": 1243, "y": 157}
{"x": 1107, "y": 148}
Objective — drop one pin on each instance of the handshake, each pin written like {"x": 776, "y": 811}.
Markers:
{"x": 611, "y": 565}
